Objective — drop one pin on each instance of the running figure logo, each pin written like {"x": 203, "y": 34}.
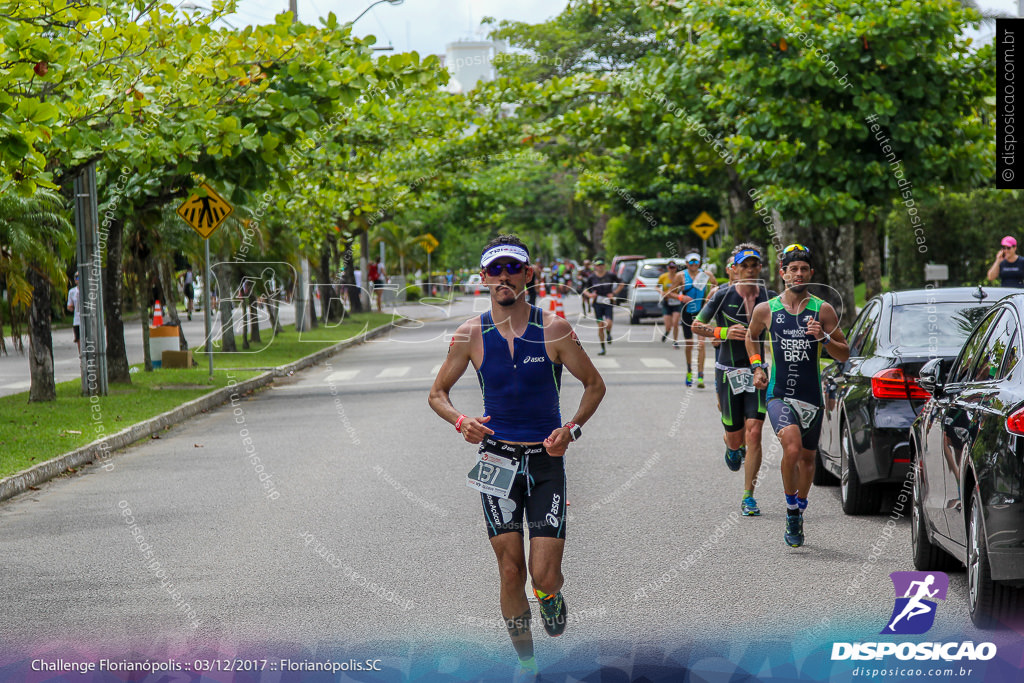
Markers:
{"x": 914, "y": 613}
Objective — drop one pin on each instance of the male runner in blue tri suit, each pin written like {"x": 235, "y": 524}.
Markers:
{"x": 518, "y": 352}
{"x": 725, "y": 317}
{"x": 798, "y": 326}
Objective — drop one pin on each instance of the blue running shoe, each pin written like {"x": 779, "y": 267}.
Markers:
{"x": 794, "y": 535}
{"x": 733, "y": 458}
{"x": 749, "y": 507}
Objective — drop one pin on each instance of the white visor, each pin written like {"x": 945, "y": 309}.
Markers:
{"x": 504, "y": 251}
{"x": 692, "y": 257}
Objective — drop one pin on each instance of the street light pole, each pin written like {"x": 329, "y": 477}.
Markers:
{"x": 390, "y": 2}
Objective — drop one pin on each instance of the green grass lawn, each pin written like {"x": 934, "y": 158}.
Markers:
{"x": 288, "y": 346}
{"x": 31, "y": 433}
{"x": 858, "y": 292}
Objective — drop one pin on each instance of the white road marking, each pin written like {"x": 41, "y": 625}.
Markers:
{"x": 400, "y": 371}
{"x": 341, "y": 376}
{"x": 606, "y": 363}
{"x": 657, "y": 363}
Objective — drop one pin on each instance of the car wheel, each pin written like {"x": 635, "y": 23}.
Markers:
{"x": 857, "y": 498}
{"x": 987, "y": 601}
{"x": 822, "y": 477}
{"x": 927, "y": 556}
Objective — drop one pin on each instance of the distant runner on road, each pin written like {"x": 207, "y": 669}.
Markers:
{"x": 693, "y": 284}
{"x": 798, "y": 326}
{"x": 601, "y": 288}
{"x": 518, "y": 352}
{"x": 725, "y": 317}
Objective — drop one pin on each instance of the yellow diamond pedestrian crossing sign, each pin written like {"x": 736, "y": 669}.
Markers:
{"x": 429, "y": 243}
{"x": 704, "y": 226}
{"x": 205, "y": 214}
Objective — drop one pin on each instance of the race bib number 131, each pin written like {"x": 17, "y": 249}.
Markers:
{"x": 493, "y": 475}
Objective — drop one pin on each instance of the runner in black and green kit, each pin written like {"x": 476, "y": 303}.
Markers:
{"x": 725, "y": 317}
{"x": 798, "y": 326}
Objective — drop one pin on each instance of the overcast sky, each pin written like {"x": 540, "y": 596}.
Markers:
{"x": 428, "y": 25}
{"x": 422, "y": 25}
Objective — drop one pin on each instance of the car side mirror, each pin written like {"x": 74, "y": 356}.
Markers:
{"x": 933, "y": 376}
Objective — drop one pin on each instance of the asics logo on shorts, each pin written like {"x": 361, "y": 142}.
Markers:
{"x": 552, "y": 517}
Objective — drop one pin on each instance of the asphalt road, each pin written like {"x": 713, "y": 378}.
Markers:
{"x": 362, "y": 483}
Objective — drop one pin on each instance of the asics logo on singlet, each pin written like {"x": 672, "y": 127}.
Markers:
{"x": 552, "y": 517}
{"x": 534, "y": 359}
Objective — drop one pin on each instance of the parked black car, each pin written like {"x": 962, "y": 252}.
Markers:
{"x": 968, "y": 447}
{"x": 872, "y": 398}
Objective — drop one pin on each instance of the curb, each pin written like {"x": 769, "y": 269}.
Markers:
{"x": 100, "y": 449}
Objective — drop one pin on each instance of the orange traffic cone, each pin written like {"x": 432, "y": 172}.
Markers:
{"x": 158, "y": 314}
{"x": 559, "y": 311}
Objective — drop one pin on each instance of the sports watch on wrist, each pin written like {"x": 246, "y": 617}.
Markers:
{"x": 575, "y": 431}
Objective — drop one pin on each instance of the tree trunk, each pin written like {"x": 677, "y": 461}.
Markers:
{"x": 227, "y": 327}
{"x": 3, "y": 344}
{"x": 313, "y": 324}
{"x": 348, "y": 279}
{"x": 113, "y": 277}
{"x": 227, "y": 313}
{"x": 254, "y": 320}
{"x": 40, "y": 340}
{"x": 246, "y": 299}
{"x": 872, "y": 258}
{"x": 144, "y": 293}
{"x": 170, "y": 287}
{"x": 837, "y": 245}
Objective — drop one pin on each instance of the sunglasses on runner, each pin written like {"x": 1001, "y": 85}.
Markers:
{"x": 513, "y": 268}
{"x": 796, "y": 247}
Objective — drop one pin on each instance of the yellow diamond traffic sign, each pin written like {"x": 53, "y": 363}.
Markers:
{"x": 429, "y": 242}
{"x": 205, "y": 214}
{"x": 704, "y": 226}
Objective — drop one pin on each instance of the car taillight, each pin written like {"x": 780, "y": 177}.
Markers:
{"x": 892, "y": 383}
{"x": 1015, "y": 422}
{"x": 639, "y": 283}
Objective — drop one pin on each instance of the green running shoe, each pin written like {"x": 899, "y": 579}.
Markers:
{"x": 794, "y": 535}
{"x": 749, "y": 507}
{"x": 700, "y": 381}
{"x": 527, "y": 671}
{"x": 553, "y": 612}
{"x": 689, "y": 379}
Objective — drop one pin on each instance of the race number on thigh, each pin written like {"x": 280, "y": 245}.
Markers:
{"x": 806, "y": 412}
{"x": 492, "y": 474}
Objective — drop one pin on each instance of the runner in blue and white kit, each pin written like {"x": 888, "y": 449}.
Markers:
{"x": 798, "y": 326}
{"x": 693, "y": 284}
{"x": 518, "y": 352}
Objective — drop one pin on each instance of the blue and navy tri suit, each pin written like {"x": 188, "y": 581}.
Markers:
{"x": 520, "y": 392}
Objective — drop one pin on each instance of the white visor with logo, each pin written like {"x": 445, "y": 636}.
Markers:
{"x": 504, "y": 251}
